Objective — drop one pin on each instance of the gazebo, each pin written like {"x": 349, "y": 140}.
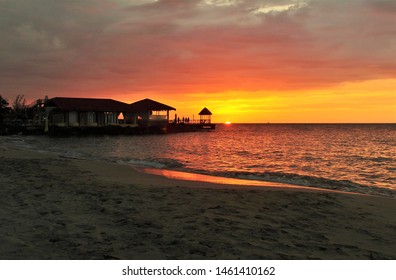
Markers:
{"x": 205, "y": 116}
{"x": 151, "y": 113}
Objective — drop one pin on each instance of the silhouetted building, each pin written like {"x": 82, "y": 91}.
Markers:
{"x": 96, "y": 112}
{"x": 150, "y": 113}
{"x": 78, "y": 112}
{"x": 205, "y": 116}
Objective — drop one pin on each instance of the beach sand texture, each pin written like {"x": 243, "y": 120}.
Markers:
{"x": 63, "y": 208}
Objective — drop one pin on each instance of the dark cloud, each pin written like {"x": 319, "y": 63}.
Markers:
{"x": 96, "y": 47}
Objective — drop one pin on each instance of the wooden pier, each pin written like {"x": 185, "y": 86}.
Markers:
{"x": 94, "y": 116}
{"x": 189, "y": 127}
{"x": 203, "y": 124}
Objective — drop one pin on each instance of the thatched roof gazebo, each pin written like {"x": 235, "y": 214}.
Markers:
{"x": 205, "y": 116}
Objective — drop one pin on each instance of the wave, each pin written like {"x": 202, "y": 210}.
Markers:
{"x": 306, "y": 181}
{"x": 276, "y": 177}
{"x": 161, "y": 163}
{"x": 369, "y": 174}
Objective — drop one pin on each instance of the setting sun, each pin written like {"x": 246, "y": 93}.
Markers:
{"x": 227, "y": 122}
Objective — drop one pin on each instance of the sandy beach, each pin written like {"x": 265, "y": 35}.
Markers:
{"x": 53, "y": 207}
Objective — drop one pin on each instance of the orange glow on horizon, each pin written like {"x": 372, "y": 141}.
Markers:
{"x": 359, "y": 102}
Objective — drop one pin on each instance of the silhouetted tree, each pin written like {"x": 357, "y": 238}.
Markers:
{"x": 19, "y": 103}
{"x": 19, "y": 108}
{"x": 3, "y": 108}
{"x": 3, "y": 102}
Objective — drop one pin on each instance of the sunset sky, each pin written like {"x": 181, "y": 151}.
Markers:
{"x": 246, "y": 60}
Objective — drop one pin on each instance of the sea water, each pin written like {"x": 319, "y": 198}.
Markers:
{"x": 348, "y": 157}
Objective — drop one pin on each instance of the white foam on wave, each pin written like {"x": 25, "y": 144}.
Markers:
{"x": 146, "y": 163}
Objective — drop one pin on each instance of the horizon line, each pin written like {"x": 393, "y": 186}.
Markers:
{"x": 304, "y": 123}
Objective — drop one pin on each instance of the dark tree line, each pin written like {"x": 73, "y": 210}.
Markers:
{"x": 12, "y": 116}
{"x": 3, "y": 108}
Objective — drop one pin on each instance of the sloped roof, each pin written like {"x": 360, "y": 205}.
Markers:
{"x": 88, "y": 104}
{"x": 150, "y": 105}
{"x": 205, "y": 112}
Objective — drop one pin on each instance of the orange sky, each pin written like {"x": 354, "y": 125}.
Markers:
{"x": 246, "y": 60}
{"x": 360, "y": 102}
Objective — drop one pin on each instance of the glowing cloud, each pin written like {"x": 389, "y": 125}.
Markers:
{"x": 278, "y": 8}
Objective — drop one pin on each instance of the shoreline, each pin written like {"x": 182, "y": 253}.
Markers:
{"x": 175, "y": 168}
{"x": 233, "y": 182}
{"x": 65, "y": 208}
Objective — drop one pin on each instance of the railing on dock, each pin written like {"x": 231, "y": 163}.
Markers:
{"x": 190, "y": 126}
{"x": 190, "y": 122}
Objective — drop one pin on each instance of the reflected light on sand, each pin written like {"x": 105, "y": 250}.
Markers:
{"x": 186, "y": 176}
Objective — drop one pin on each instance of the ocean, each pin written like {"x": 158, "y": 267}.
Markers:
{"x": 347, "y": 157}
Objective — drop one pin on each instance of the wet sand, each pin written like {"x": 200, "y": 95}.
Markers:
{"x": 63, "y": 208}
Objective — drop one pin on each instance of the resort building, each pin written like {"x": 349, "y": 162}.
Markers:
{"x": 150, "y": 113}
{"x": 65, "y": 112}
{"x": 78, "y": 112}
{"x": 69, "y": 115}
